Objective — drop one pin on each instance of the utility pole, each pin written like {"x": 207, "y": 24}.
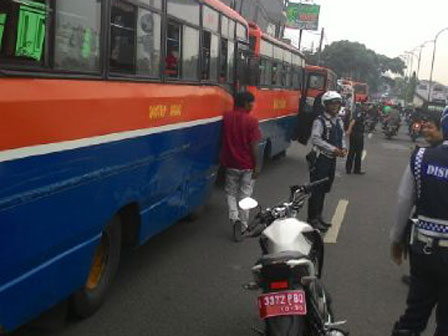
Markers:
{"x": 320, "y": 46}
{"x": 433, "y": 60}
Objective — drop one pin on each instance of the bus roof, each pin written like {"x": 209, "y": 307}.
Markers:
{"x": 319, "y": 69}
{"x": 256, "y": 29}
{"x": 223, "y": 8}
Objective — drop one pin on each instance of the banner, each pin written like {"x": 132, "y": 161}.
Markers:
{"x": 303, "y": 16}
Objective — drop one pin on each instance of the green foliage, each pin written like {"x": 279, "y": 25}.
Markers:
{"x": 354, "y": 60}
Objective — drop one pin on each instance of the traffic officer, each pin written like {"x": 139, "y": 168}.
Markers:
{"x": 425, "y": 184}
{"x": 327, "y": 138}
{"x": 356, "y": 133}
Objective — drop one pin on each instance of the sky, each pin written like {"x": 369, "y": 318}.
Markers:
{"x": 388, "y": 27}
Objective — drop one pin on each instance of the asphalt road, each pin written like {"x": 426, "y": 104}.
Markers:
{"x": 188, "y": 280}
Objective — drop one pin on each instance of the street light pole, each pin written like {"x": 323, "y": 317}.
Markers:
{"x": 433, "y": 59}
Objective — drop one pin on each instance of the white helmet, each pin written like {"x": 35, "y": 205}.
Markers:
{"x": 330, "y": 96}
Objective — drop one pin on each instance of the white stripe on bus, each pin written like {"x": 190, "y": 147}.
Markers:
{"x": 23, "y": 152}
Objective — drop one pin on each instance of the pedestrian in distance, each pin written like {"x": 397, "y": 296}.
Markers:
{"x": 239, "y": 156}
{"x": 355, "y": 131}
{"x": 425, "y": 184}
{"x": 327, "y": 138}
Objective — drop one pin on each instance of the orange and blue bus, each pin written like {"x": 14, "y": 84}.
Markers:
{"x": 318, "y": 80}
{"x": 110, "y": 131}
{"x": 277, "y": 89}
{"x": 361, "y": 92}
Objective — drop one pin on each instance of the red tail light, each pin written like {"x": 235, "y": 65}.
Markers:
{"x": 279, "y": 284}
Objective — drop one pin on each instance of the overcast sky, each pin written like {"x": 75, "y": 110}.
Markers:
{"x": 388, "y": 27}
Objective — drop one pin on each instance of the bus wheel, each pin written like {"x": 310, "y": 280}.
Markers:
{"x": 86, "y": 301}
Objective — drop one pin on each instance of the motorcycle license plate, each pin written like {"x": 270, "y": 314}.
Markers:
{"x": 282, "y": 303}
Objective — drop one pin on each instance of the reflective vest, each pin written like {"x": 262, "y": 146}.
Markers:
{"x": 430, "y": 169}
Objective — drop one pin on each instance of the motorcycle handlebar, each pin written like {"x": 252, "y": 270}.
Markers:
{"x": 308, "y": 188}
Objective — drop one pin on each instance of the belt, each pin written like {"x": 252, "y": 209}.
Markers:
{"x": 430, "y": 241}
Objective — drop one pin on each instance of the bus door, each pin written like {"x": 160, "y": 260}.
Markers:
{"x": 246, "y": 69}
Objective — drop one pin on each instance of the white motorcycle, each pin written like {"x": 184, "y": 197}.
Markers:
{"x": 293, "y": 301}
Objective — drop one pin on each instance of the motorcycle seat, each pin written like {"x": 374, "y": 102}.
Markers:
{"x": 280, "y": 257}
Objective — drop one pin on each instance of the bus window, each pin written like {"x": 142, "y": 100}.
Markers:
{"x": 210, "y": 19}
{"x": 316, "y": 81}
{"x": 122, "y": 49}
{"x": 187, "y": 10}
{"x": 2, "y": 27}
{"x": 225, "y": 27}
{"x": 288, "y": 77}
{"x": 153, "y": 3}
{"x": 223, "y": 66}
{"x": 210, "y": 53}
{"x": 77, "y": 35}
{"x": 23, "y": 28}
{"x": 148, "y": 43}
{"x": 231, "y": 29}
{"x": 190, "y": 53}
{"x": 172, "y": 50}
{"x": 241, "y": 32}
{"x": 230, "y": 60}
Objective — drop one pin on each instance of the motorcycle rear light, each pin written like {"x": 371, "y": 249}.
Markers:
{"x": 279, "y": 284}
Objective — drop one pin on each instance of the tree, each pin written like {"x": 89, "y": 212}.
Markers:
{"x": 353, "y": 60}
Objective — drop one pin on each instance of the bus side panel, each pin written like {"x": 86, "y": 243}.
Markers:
{"x": 54, "y": 206}
{"x": 277, "y": 111}
{"x": 48, "y": 240}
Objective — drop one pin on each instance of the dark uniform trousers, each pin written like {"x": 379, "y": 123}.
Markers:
{"x": 355, "y": 152}
{"x": 324, "y": 167}
{"x": 428, "y": 287}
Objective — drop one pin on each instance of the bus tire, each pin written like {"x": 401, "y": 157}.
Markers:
{"x": 87, "y": 300}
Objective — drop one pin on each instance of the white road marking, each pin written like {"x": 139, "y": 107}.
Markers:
{"x": 364, "y": 154}
{"x": 332, "y": 234}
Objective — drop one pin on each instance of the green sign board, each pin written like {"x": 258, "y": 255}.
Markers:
{"x": 2, "y": 26}
{"x": 303, "y": 16}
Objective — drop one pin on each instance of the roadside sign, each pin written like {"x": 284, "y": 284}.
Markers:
{"x": 303, "y": 16}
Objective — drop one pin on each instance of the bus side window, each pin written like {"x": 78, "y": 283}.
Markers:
{"x": 135, "y": 39}
{"x": 210, "y": 52}
{"x": 190, "y": 53}
{"x": 230, "y": 60}
{"x": 122, "y": 48}
{"x": 23, "y": 30}
{"x": 173, "y": 44}
{"x": 77, "y": 35}
{"x": 224, "y": 62}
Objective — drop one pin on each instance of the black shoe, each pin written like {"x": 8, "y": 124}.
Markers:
{"x": 326, "y": 224}
{"x": 322, "y": 228}
{"x": 238, "y": 231}
{"x": 406, "y": 279}
{"x": 359, "y": 172}
{"x": 348, "y": 172}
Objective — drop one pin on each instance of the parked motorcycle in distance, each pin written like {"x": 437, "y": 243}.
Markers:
{"x": 416, "y": 130}
{"x": 293, "y": 301}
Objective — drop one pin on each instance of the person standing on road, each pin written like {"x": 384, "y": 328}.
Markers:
{"x": 434, "y": 137}
{"x": 356, "y": 133}
{"x": 239, "y": 155}
{"x": 425, "y": 184}
{"x": 327, "y": 138}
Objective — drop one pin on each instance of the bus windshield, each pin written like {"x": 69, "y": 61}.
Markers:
{"x": 316, "y": 81}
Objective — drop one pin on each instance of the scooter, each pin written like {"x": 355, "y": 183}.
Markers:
{"x": 293, "y": 301}
{"x": 390, "y": 130}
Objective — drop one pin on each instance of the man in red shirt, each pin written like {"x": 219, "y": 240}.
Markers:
{"x": 239, "y": 155}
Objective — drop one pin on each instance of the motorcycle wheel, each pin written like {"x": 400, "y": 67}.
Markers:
{"x": 285, "y": 326}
